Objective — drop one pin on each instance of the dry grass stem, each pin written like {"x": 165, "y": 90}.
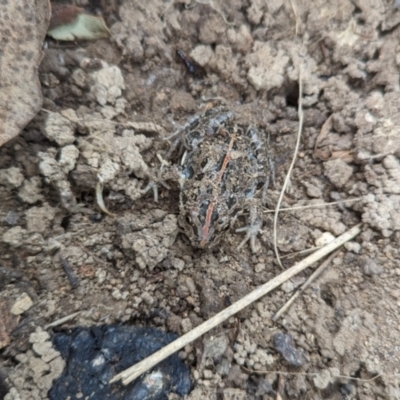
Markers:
{"x": 296, "y": 17}
{"x": 251, "y": 371}
{"x": 315, "y": 205}
{"x": 62, "y": 320}
{"x": 287, "y": 178}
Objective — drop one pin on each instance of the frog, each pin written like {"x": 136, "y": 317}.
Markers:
{"x": 223, "y": 172}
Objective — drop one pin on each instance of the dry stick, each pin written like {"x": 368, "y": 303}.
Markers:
{"x": 295, "y": 16}
{"x": 281, "y": 387}
{"x": 143, "y": 366}
{"x": 62, "y": 320}
{"x": 332, "y": 203}
{"x": 300, "y": 252}
{"x": 305, "y": 285}
{"x": 258, "y": 372}
{"x": 287, "y": 178}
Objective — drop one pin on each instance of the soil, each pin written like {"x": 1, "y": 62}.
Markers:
{"x": 109, "y": 104}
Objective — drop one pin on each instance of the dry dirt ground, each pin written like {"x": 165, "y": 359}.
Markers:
{"x": 107, "y": 106}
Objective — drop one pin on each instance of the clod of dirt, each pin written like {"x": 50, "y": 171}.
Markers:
{"x": 31, "y": 190}
{"x": 59, "y": 129}
{"x": 108, "y": 84}
{"x": 215, "y": 347}
{"x": 14, "y": 236}
{"x": 12, "y": 218}
{"x": 37, "y": 369}
{"x": 382, "y": 212}
{"x": 68, "y": 156}
{"x": 139, "y": 29}
{"x": 382, "y": 205}
{"x": 38, "y": 219}
{"x": 325, "y": 377}
{"x": 338, "y": 172}
{"x": 109, "y": 158}
{"x": 211, "y": 303}
{"x": 54, "y": 174}
{"x": 327, "y": 220}
{"x": 11, "y": 177}
{"x": 23, "y": 29}
{"x": 370, "y": 266}
{"x": 151, "y": 245}
{"x": 284, "y": 345}
{"x": 22, "y": 303}
{"x": 202, "y": 54}
{"x": 94, "y": 355}
{"x": 267, "y": 67}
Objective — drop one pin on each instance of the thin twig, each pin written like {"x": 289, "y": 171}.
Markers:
{"x": 300, "y": 253}
{"x": 138, "y": 369}
{"x": 305, "y": 285}
{"x": 287, "y": 178}
{"x": 251, "y": 371}
{"x": 314, "y": 205}
{"x": 62, "y": 320}
{"x": 281, "y": 387}
{"x": 295, "y": 16}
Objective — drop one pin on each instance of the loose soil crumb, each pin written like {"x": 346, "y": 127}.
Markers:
{"x": 109, "y": 107}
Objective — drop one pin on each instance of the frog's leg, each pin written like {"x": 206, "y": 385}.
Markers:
{"x": 159, "y": 178}
{"x": 253, "y": 228}
{"x": 152, "y": 185}
{"x": 255, "y": 210}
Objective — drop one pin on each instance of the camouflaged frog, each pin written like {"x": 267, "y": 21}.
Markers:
{"x": 224, "y": 172}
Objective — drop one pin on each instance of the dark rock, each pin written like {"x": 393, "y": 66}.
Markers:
{"x": 94, "y": 355}
{"x": 284, "y": 345}
{"x": 264, "y": 388}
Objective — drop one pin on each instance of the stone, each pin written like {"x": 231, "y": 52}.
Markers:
{"x": 22, "y": 304}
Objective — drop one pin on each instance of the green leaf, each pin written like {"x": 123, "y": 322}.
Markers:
{"x": 84, "y": 27}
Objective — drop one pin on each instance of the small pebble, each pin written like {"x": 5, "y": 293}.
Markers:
{"x": 22, "y": 304}
{"x": 284, "y": 345}
{"x": 370, "y": 266}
